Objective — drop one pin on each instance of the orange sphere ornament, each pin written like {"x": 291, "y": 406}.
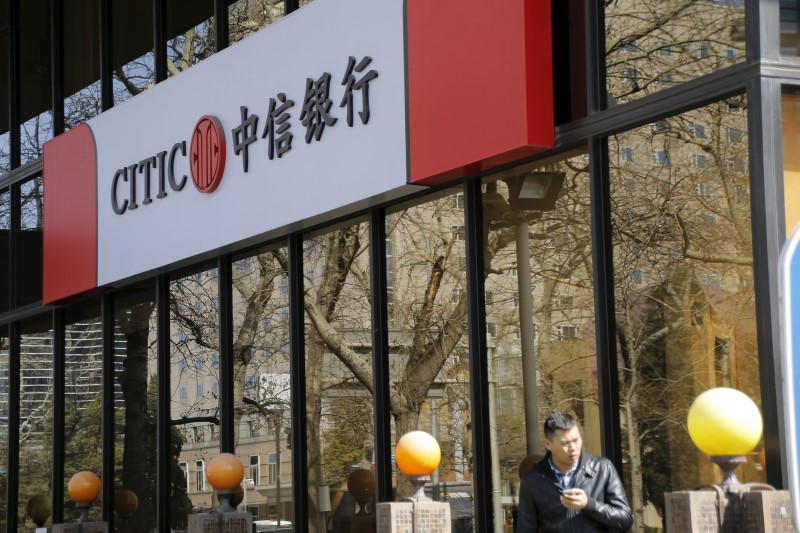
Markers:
{"x": 417, "y": 454}
{"x": 125, "y": 502}
{"x": 84, "y": 487}
{"x": 225, "y": 472}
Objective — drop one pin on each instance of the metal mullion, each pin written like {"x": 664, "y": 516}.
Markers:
{"x": 763, "y": 29}
{"x": 163, "y": 448}
{"x": 769, "y": 234}
{"x": 478, "y": 364}
{"x": 14, "y": 84}
{"x": 12, "y": 479}
{"x": 59, "y": 367}
{"x": 605, "y": 324}
{"x": 226, "y": 374}
{"x": 57, "y": 64}
{"x": 15, "y": 213}
{"x": 595, "y": 56}
{"x": 221, "y": 25}
{"x": 160, "y": 39}
{"x": 109, "y": 371}
{"x": 298, "y": 383}
{"x": 106, "y": 60}
{"x": 290, "y": 5}
{"x": 380, "y": 354}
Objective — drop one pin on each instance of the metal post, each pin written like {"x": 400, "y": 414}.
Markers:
{"x": 497, "y": 492}
{"x": 527, "y": 337}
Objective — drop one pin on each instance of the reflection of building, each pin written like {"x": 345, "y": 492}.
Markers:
{"x": 652, "y": 276}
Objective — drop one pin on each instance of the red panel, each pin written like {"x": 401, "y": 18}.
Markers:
{"x": 480, "y": 85}
{"x": 70, "y": 215}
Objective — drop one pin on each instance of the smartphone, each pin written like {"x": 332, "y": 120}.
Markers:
{"x": 562, "y": 490}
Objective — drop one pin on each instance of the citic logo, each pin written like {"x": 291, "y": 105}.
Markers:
{"x": 152, "y": 177}
{"x": 207, "y": 154}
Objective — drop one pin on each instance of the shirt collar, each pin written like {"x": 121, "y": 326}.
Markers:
{"x": 565, "y": 478}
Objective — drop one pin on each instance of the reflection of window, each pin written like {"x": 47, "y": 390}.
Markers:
{"x": 457, "y": 293}
{"x": 735, "y": 135}
{"x": 198, "y": 307}
{"x": 660, "y": 158}
{"x": 215, "y": 388}
{"x": 697, "y": 130}
{"x": 664, "y": 49}
{"x": 567, "y": 332}
{"x": 515, "y": 299}
{"x": 564, "y": 300}
{"x": 200, "y": 476}
{"x": 184, "y": 393}
{"x": 512, "y": 270}
{"x": 181, "y": 336}
{"x": 660, "y": 126}
{"x": 637, "y": 277}
{"x": 252, "y": 428}
{"x": 254, "y": 469}
{"x": 184, "y": 466}
{"x": 703, "y": 190}
{"x": 664, "y": 79}
{"x": 272, "y": 465}
{"x": 701, "y": 52}
{"x": 458, "y": 232}
{"x": 200, "y": 363}
{"x": 736, "y": 164}
{"x": 250, "y": 382}
{"x": 199, "y": 390}
{"x": 700, "y": 161}
{"x": 491, "y": 329}
{"x": 489, "y": 297}
{"x": 628, "y": 74}
{"x": 630, "y": 47}
{"x": 730, "y": 53}
{"x": 182, "y": 366}
{"x": 629, "y": 183}
{"x": 215, "y": 360}
{"x": 284, "y": 314}
{"x": 626, "y": 153}
{"x": 284, "y": 285}
{"x": 457, "y": 201}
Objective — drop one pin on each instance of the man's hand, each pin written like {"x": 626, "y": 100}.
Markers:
{"x": 574, "y": 499}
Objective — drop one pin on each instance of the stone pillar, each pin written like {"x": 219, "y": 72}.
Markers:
{"x": 413, "y": 517}
{"x": 230, "y": 522}
{"x": 729, "y": 512}
{"x": 81, "y": 527}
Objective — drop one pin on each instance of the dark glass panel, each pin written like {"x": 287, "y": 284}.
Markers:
{"x": 338, "y": 375}
{"x": 190, "y": 33}
{"x": 35, "y": 82}
{"x": 261, "y": 388}
{"x": 132, "y": 57}
{"x": 35, "y": 443}
{"x": 83, "y": 400}
{"x": 790, "y": 31}
{"x": 5, "y": 136}
{"x": 654, "y": 44}
{"x": 5, "y": 256}
{"x": 194, "y": 405}
{"x": 28, "y": 255}
{"x": 429, "y": 355}
{"x": 135, "y": 394}
{"x": 790, "y": 114}
{"x": 540, "y": 316}
{"x": 248, "y": 16}
{"x": 81, "y": 61}
{"x": 684, "y": 290}
{"x": 4, "y": 382}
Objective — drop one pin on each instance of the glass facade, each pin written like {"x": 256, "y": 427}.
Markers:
{"x": 623, "y": 292}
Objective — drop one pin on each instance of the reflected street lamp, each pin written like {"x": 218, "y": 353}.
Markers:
{"x": 532, "y": 191}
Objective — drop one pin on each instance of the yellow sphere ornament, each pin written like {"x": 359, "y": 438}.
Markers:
{"x": 417, "y": 454}
{"x": 724, "y": 421}
{"x": 84, "y": 487}
{"x": 225, "y": 471}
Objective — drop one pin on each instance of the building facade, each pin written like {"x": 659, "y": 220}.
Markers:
{"x": 295, "y": 231}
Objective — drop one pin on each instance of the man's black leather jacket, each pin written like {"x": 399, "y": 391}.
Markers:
{"x": 541, "y": 511}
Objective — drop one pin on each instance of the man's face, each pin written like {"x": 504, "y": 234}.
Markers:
{"x": 565, "y": 447}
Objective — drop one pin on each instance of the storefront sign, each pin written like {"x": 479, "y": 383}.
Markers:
{"x": 315, "y": 114}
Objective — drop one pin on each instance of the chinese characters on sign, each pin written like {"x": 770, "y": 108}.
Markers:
{"x": 207, "y": 150}
{"x": 315, "y": 112}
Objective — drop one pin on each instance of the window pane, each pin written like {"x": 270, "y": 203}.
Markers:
{"x": 653, "y": 44}
{"x": 29, "y": 243}
{"x": 83, "y": 400}
{"x": 4, "y": 382}
{"x": 135, "y": 409}
{"x": 132, "y": 48}
{"x": 791, "y": 155}
{"x": 540, "y": 317}
{"x": 338, "y": 372}
{"x": 81, "y": 62}
{"x": 262, "y": 383}
{"x": 683, "y": 265}
{"x": 429, "y": 358}
{"x": 790, "y": 45}
{"x": 5, "y": 136}
{"x": 35, "y": 416}
{"x": 195, "y": 414}
{"x": 248, "y": 16}
{"x": 5, "y": 257}
{"x": 190, "y": 25}
{"x": 35, "y": 101}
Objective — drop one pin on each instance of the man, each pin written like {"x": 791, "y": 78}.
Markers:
{"x": 570, "y": 489}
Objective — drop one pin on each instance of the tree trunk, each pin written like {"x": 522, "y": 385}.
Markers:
{"x": 405, "y": 420}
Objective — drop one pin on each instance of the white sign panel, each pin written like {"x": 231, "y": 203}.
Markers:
{"x": 328, "y": 58}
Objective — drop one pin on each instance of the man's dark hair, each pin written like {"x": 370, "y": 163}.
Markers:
{"x": 558, "y": 420}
